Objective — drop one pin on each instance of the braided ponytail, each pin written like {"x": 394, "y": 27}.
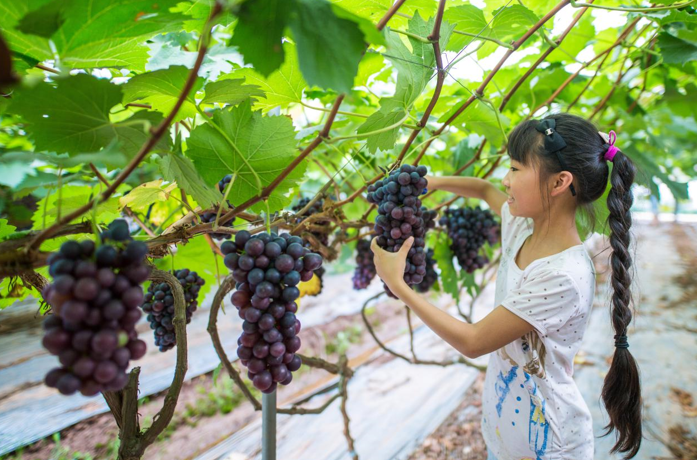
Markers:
{"x": 621, "y": 392}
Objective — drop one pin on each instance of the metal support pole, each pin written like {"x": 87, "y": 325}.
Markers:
{"x": 268, "y": 426}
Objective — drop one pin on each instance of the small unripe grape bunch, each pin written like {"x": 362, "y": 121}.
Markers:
{"x": 94, "y": 297}
{"x": 365, "y": 266}
{"x": 159, "y": 305}
{"x": 431, "y": 275}
{"x": 400, "y": 215}
{"x": 468, "y": 229}
{"x": 268, "y": 268}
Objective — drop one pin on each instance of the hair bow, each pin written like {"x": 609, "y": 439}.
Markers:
{"x": 554, "y": 143}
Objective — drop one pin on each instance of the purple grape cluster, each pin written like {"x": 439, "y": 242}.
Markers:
{"x": 400, "y": 216}
{"x": 468, "y": 229}
{"x": 159, "y": 305}
{"x": 94, "y": 297}
{"x": 431, "y": 275}
{"x": 365, "y": 267}
{"x": 268, "y": 268}
{"x": 314, "y": 209}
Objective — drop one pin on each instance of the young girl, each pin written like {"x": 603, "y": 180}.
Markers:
{"x": 532, "y": 408}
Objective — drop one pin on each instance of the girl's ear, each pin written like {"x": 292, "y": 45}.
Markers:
{"x": 561, "y": 183}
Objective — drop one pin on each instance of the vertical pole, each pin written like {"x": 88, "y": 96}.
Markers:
{"x": 268, "y": 426}
{"x": 268, "y": 414}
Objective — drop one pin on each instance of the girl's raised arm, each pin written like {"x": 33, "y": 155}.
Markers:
{"x": 470, "y": 187}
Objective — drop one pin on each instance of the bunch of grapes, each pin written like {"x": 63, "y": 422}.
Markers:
{"x": 321, "y": 237}
{"x": 268, "y": 268}
{"x": 365, "y": 267}
{"x": 469, "y": 229}
{"x": 400, "y": 216}
{"x": 95, "y": 297}
{"x": 209, "y": 216}
{"x": 429, "y": 217}
{"x": 431, "y": 275}
{"x": 159, "y": 305}
{"x": 314, "y": 209}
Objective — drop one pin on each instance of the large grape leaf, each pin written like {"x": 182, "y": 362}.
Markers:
{"x": 329, "y": 47}
{"x": 161, "y": 89}
{"x": 96, "y": 33}
{"x": 469, "y": 19}
{"x": 177, "y": 168}
{"x": 509, "y": 24}
{"x": 282, "y": 88}
{"x": 73, "y": 116}
{"x": 32, "y": 46}
{"x": 415, "y": 68}
{"x": 676, "y": 51}
{"x": 255, "y": 148}
{"x": 259, "y": 32}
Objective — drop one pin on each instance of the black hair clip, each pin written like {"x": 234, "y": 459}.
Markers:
{"x": 554, "y": 143}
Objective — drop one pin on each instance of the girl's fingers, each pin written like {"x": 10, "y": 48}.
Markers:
{"x": 406, "y": 246}
{"x": 374, "y": 245}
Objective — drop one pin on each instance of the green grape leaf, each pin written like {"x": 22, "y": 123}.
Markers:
{"x": 329, "y": 47}
{"x": 69, "y": 198}
{"x": 259, "y": 32}
{"x": 370, "y": 31}
{"x": 282, "y": 88}
{"x": 255, "y": 148}
{"x": 175, "y": 167}
{"x": 468, "y": 19}
{"x": 161, "y": 89}
{"x": 31, "y": 46}
{"x": 73, "y": 116}
{"x": 675, "y": 50}
{"x": 369, "y": 9}
{"x": 444, "y": 259}
{"x": 6, "y": 229}
{"x": 414, "y": 71}
{"x": 45, "y": 21}
{"x": 145, "y": 194}
{"x": 231, "y": 92}
{"x": 387, "y": 116}
{"x": 111, "y": 33}
{"x": 198, "y": 257}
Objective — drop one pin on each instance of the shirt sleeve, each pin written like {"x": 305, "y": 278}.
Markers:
{"x": 546, "y": 300}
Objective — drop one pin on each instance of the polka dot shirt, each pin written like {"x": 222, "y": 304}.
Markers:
{"x": 531, "y": 406}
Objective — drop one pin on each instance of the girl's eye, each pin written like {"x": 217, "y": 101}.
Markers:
{"x": 513, "y": 168}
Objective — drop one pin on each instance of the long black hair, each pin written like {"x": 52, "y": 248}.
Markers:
{"x": 583, "y": 157}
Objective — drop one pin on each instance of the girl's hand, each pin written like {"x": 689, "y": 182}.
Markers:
{"x": 390, "y": 265}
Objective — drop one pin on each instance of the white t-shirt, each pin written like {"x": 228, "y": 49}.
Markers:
{"x": 531, "y": 406}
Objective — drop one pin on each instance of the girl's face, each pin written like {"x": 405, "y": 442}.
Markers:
{"x": 523, "y": 188}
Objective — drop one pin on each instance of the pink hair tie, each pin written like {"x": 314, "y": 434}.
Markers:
{"x": 612, "y": 150}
